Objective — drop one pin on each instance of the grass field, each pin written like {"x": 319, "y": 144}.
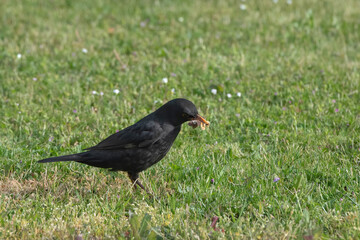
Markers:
{"x": 280, "y": 161}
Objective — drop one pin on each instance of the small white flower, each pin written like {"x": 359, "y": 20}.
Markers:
{"x": 289, "y": 2}
{"x": 228, "y": 95}
{"x": 275, "y": 1}
{"x": 94, "y": 92}
{"x": 16, "y": 104}
{"x": 181, "y": 19}
{"x": 101, "y": 94}
{"x": 238, "y": 94}
{"x": 165, "y": 80}
{"x": 173, "y": 90}
{"x": 116, "y": 91}
{"x": 84, "y": 50}
{"x": 34, "y": 79}
{"x": 19, "y": 112}
{"x": 213, "y": 91}
{"x": 19, "y": 55}
{"x": 243, "y": 7}
{"x": 237, "y": 114}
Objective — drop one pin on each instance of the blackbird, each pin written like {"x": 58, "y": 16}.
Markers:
{"x": 141, "y": 145}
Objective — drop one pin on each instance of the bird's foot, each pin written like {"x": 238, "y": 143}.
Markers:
{"x": 134, "y": 177}
{"x": 140, "y": 185}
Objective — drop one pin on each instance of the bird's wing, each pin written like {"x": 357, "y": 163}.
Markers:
{"x": 136, "y": 136}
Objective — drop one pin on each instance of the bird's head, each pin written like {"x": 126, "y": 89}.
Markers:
{"x": 180, "y": 110}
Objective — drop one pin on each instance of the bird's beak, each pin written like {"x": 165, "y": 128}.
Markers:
{"x": 201, "y": 119}
{"x": 198, "y": 121}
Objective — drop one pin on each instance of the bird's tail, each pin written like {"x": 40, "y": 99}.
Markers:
{"x": 66, "y": 158}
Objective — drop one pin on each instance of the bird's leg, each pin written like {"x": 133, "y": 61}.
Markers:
{"x": 139, "y": 183}
{"x": 134, "y": 177}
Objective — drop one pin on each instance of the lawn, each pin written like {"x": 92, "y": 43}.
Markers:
{"x": 278, "y": 80}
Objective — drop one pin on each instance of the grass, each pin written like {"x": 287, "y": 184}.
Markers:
{"x": 295, "y": 65}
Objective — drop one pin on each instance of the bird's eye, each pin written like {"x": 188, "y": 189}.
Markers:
{"x": 185, "y": 115}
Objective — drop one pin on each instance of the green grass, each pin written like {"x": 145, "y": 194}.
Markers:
{"x": 296, "y": 66}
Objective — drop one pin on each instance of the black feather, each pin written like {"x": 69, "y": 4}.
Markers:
{"x": 66, "y": 158}
{"x": 139, "y": 146}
